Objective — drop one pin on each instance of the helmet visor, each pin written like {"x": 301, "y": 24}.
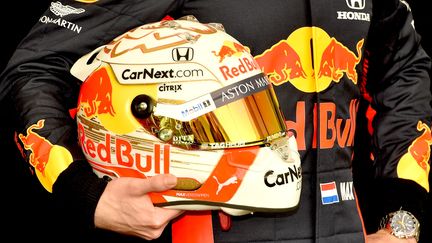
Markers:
{"x": 243, "y": 114}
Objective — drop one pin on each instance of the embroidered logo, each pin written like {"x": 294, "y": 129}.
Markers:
{"x": 356, "y": 4}
{"x": 62, "y": 10}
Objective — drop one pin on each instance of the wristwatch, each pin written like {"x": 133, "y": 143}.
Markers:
{"x": 402, "y": 224}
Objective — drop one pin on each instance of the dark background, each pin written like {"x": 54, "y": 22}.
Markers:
{"x": 27, "y": 209}
{"x": 17, "y": 18}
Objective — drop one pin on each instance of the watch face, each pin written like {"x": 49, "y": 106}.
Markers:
{"x": 403, "y": 225}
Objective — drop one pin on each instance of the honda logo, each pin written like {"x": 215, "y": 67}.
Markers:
{"x": 356, "y": 4}
{"x": 182, "y": 54}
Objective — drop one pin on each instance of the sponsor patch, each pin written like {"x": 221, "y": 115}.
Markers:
{"x": 329, "y": 193}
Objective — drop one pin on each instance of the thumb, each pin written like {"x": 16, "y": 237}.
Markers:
{"x": 161, "y": 183}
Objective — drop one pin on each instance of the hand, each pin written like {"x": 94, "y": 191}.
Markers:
{"x": 125, "y": 207}
{"x": 383, "y": 236}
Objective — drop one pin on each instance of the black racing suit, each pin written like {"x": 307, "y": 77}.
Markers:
{"x": 323, "y": 57}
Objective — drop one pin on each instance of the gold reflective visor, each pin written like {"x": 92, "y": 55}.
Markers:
{"x": 242, "y": 114}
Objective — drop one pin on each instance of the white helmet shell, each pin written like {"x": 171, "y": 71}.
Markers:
{"x": 182, "y": 97}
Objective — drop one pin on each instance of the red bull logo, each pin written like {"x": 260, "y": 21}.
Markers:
{"x": 420, "y": 148}
{"x": 96, "y": 94}
{"x": 338, "y": 59}
{"x": 114, "y": 152}
{"x": 310, "y": 60}
{"x": 414, "y": 164}
{"x": 230, "y": 48}
{"x": 48, "y": 160}
{"x": 40, "y": 147}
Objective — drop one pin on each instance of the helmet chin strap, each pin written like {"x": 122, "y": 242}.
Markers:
{"x": 224, "y": 220}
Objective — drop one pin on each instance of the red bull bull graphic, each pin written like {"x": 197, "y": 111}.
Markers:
{"x": 98, "y": 96}
{"x": 338, "y": 59}
{"x": 230, "y": 48}
{"x": 281, "y": 62}
{"x": 48, "y": 160}
{"x": 39, "y": 147}
{"x": 420, "y": 148}
{"x": 310, "y": 60}
{"x": 414, "y": 165}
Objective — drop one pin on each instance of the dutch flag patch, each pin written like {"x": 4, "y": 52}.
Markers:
{"x": 329, "y": 193}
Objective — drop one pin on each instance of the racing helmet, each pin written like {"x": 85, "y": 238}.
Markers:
{"x": 186, "y": 98}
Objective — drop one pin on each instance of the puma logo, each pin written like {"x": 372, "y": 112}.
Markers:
{"x": 232, "y": 180}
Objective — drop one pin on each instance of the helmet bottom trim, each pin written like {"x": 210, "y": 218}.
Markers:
{"x": 231, "y": 209}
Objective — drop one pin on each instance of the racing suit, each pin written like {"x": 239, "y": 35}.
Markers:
{"x": 323, "y": 58}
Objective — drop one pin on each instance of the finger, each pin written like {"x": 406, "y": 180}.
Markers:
{"x": 163, "y": 182}
{"x": 164, "y": 216}
{"x": 157, "y": 183}
{"x": 167, "y": 214}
